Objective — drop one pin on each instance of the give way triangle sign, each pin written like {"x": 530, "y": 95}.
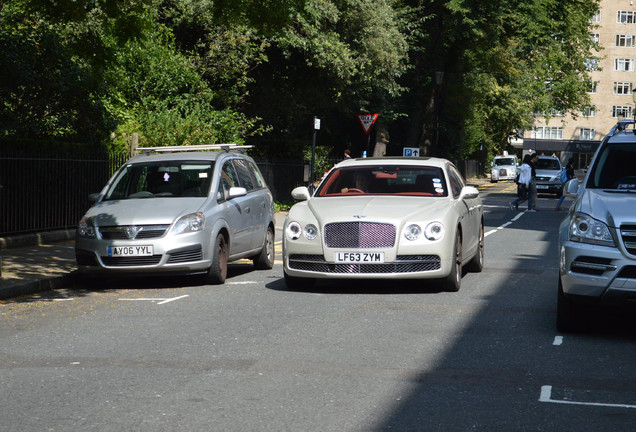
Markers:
{"x": 366, "y": 121}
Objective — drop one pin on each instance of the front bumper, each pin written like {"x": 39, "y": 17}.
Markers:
{"x": 185, "y": 254}
{"x": 547, "y": 187}
{"x": 597, "y": 272}
{"x": 299, "y": 261}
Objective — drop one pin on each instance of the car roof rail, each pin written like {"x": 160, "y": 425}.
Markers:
{"x": 186, "y": 148}
{"x": 621, "y": 126}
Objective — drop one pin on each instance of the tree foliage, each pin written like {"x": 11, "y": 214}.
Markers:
{"x": 206, "y": 71}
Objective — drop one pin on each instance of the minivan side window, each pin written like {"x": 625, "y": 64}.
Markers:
{"x": 244, "y": 174}
{"x": 229, "y": 179}
{"x": 258, "y": 177}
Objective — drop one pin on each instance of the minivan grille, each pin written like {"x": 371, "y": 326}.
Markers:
{"x": 144, "y": 232}
{"x": 359, "y": 235}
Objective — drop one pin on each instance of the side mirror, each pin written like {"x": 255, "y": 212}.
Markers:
{"x": 301, "y": 193}
{"x": 469, "y": 192}
{"x": 571, "y": 188}
{"x": 237, "y": 192}
{"x": 93, "y": 197}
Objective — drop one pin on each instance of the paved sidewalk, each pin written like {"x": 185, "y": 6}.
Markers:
{"x": 46, "y": 261}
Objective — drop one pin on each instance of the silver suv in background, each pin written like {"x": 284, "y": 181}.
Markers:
{"x": 548, "y": 175}
{"x": 171, "y": 211}
{"x": 597, "y": 240}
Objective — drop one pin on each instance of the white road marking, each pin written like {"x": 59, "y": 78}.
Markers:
{"x": 504, "y": 225}
{"x": 558, "y": 340}
{"x": 160, "y": 300}
{"x": 546, "y": 396}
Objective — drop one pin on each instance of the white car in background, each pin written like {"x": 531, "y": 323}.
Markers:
{"x": 503, "y": 168}
{"x": 385, "y": 218}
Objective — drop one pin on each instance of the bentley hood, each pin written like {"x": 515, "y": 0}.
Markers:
{"x": 390, "y": 209}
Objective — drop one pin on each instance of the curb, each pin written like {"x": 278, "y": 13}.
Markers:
{"x": 36, "y": 286}
{"x": 36, "y": 239}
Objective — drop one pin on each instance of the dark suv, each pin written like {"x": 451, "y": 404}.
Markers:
{"x": 597, "y": 240}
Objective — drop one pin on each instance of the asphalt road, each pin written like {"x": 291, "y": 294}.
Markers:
{"x": 170, "y": 355}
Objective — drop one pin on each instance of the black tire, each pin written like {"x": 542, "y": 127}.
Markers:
{"x": 570, "y": 315}
{"x": 296, "y": 283}
{"x": 453, "y": 282}
{"x": 476, "y": 265}
{"x": 218, "y": 270}
{"x": 265, "y": 259}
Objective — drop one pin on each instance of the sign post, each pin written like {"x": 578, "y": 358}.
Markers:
{"x": 313, "y": 152}
{"x": 367, "y": 121}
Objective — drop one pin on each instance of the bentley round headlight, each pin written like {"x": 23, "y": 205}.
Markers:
{"x": 412, "y": 232}
{"x": 434, "y": 231}
{"x": 311, "y": 232}
{"x": 293, "y": 230}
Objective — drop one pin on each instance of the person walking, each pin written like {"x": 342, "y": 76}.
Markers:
{"x": 347, "y": 154}
{"x": 533, "y": 183}
{"x": 525, "y": 179}
{"x": 569, "y": 172}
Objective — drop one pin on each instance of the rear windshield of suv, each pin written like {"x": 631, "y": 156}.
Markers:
{"x": 614, "y": 167}
{"x": 162, "y": 180}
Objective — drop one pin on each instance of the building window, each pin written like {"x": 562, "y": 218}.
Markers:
{"x": 626, "y": 17}
{"x": 626, "y": 41}
{"x": 591, "y": 64}
{"x": 596, "y": 38}
{"x": 623, "y": 64}
{"x": 622, "y": 88}
{"x": 547, "y": 132}
{"x": 596, "y": 18}
{"x": 621, "y": 111}
{"x": 586, "y": 134}
{"x": 591, "y": 87}
{"x": 589, "y": 111}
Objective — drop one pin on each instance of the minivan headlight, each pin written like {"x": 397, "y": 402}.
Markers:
{"x": 586, "y": 229}
{"x": 189, "y": 223}
{"x": 85, "y": 228}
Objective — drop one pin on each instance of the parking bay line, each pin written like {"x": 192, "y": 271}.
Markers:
{"x": 546, "y": 396}
{"x": 160, "y": 300}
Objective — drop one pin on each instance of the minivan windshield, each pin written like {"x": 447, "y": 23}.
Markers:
{"x": 614, "y": 168}
{"x": 162, "y": 179}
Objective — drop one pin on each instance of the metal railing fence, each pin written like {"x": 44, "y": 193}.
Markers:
{"x": 50, "y": 191}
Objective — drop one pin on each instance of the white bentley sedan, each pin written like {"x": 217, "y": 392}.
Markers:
{"x": 385, "y": 218}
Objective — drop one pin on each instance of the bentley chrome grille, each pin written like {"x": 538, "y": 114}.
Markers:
{"x": 359, "y": 235}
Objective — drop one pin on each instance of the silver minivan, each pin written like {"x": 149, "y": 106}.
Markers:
{"x": 184, "y": 212}
{"x": 597, "y": 240}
